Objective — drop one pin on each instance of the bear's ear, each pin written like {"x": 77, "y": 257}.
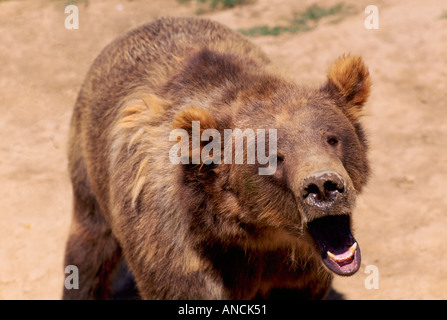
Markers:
{"x": 349, "y": 84}
{"x": 196, "y": 122}
{"x": 185, "y": 117}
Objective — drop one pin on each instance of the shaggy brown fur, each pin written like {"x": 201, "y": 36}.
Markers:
{"x": 217, "y": 231}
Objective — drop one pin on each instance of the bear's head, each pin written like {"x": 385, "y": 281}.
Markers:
{"x": 303, "y": 161}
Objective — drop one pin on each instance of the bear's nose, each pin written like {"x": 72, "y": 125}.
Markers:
{"x": 322, "y": 189}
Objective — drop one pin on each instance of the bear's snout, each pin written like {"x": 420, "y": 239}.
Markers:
{"x": 322, "y": 189}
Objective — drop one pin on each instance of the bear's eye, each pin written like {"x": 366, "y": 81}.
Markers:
{"x": 332, "y": 141}
{"x": 279, "y": 158}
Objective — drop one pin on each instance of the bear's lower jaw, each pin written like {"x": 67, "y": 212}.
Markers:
{"x": 339, "y": 250}
{"x": 344, "y": 264}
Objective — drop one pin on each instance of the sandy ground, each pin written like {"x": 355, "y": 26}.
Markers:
{"x": 401, "y": 219}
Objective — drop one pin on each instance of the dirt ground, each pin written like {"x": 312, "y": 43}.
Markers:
{"x": 401, "y": 218}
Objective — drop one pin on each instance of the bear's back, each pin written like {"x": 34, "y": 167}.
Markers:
{"x": 149, "y": 54}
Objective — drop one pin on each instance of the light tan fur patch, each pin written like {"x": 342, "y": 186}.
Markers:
{"x": 351, "y": 77}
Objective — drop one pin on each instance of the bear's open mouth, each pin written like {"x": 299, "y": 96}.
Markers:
{"x": 338, "y": 248}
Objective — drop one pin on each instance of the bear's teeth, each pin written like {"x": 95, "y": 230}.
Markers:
{"x": 343, "y": 256}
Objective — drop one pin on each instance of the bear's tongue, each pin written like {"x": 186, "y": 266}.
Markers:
{"x": 344, "y": 257}
{"x": 339, "y": 250}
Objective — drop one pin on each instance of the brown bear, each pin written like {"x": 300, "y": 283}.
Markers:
{"x": 210, "y": 229}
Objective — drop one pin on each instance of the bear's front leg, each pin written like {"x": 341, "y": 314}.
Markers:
{"x": 95, "y": 253}
{"x": 164, "y": 272}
